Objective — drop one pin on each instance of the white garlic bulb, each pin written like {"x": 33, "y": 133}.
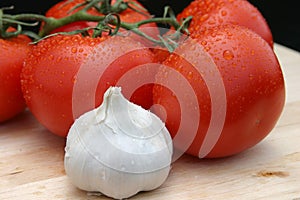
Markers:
{"x": 118, "y": 149}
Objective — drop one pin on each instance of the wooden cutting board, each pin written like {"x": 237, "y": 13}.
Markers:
{"x": 31, "y": 160}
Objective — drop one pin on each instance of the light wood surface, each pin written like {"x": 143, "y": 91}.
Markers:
{"x": 31, "y": 160}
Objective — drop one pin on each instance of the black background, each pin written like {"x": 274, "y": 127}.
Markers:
{"x": 282, "y": 16}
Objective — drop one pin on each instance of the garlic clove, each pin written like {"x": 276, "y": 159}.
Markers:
{"x": 118, "y": 149}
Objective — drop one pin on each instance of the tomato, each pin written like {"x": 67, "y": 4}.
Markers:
{"x": 64, "y": 8}
{"x": 13, "y": 53}
{"x": 66, "y": 76}
{"x": 209, "y": 13}
{"x": 229, "y": 92}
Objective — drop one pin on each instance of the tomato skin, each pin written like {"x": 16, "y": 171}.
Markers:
{"x": 51, "y": 71}
{"x": 13, "y": 53}
{"x": 253, "y": 82}
{"x": 209, "y": 13}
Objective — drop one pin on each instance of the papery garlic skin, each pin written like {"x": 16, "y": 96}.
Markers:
{"x": 118, "y": 149}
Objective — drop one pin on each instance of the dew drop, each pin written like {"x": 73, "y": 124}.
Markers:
{"x": 74, "y": 79}
{"x": 207, "y": 48}
{"x": 74, "y": 50}
{"x": 40, "y": 86}
{"x": 214, "y": 34}
{"x": 58, "y": 59}
{"x": 51, "y": 57}
{"x": 211, "y": 22}
{"x": 190, "y": 75}
{"x": 229, "y": 33}
{"x": 203, "y": 42}
{"x": 251, "y": 77}
{"x": 180, "y": 68}
{"x": 204, "y": 17}
{"x": 223, "y": 13}
{"x": 228, "y": 55}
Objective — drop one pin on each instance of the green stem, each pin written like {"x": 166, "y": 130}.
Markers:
{"x": 53, "y": 24}
{"x": 107, "y": 6}
{"x": 170, "y": 21}
{"x": 50, "y": 24}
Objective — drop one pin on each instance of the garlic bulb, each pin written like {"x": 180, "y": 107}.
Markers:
{"x": 118, "y": 149}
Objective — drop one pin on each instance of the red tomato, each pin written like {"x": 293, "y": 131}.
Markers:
{"x": 63, "y": 8}
{"x": 66, "y": 76}
{"x": 230, "y": 95}
{"x": 13, "y": 53}
{"x": 209, "y": 13}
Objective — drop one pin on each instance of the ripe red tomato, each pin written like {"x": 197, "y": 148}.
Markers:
{"x": 13, "y": 53}
{"x": 64, "y": 8}
{"x": 209, "y": 13}
{"x": 229, "y": 91}
{"x": 66, "y": 76}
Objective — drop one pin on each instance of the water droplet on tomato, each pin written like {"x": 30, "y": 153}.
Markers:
{"x": 229, "y": 33}
{"x": 223, "y": 13}
{"x": 204, "y": 42}
{"x": 51, "y": 57}
{"x": 207, "y": 48}
{"x": 58, "y": 59}
{"x": 211, "y": 22}
{"x": 214, "y": 34}
{"x": 40, "y": 86}
{"x": 190, "y": 75}
{"x": 204, "y": 17}
{"x": 74, "y": 50}
{"x": 251, "y": 77}
{"x": 228, "y": 55}
{"x": 74, "y": 79}
{"x": 180, "y": 68}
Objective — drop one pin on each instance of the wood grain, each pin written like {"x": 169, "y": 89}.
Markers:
{"x": 31, "y": 160}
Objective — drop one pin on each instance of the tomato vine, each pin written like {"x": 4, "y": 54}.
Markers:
{"x": 108, "y": 22}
